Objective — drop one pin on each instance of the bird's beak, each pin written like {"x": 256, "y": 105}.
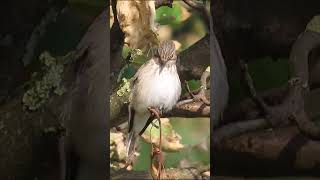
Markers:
{"x": 161, "y": 67}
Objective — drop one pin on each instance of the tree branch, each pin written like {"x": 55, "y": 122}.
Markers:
{"x": 172, "y": 173}
{"x": 160, "y": 3}
{"x": 193, "y": 61}
{"x": 202, "y": 9}
{"x": 284, "y": 150}
{"x": 236, "y": 118}
{"x": 119, "y": 109}
{"x": 293, "y": 105}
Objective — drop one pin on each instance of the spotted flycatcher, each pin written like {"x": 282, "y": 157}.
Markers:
{"x": 156, "y": 84}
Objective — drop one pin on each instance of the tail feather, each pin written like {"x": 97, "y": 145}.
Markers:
{"x": 131, "y": 145}
{"x": 131, "y": 141}
{"x": 136, "y": 123}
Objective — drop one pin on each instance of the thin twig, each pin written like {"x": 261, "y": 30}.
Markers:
{"x": 201, "y": 8}
{"x": 186, "y": 101}
{"x": 188, "y": 89}
{"x": 201, "y": 94}
{"x": 252, "y": 91}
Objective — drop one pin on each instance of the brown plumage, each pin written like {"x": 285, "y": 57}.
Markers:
{"x": 166, "y": 51}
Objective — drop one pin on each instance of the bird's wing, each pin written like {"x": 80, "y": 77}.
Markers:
{"x": 133, "y": 83}
{"x": 131, "y": 118}
{"x": 140, "y": 71}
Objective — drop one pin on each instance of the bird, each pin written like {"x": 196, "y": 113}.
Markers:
{"x": 156, "y": 84}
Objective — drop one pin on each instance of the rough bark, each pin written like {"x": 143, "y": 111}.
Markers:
{"x": 172, "y": 173}
{"x": 250, "y": 29}
{"x": 194, "y": 61}
{"x": 264, "y": 146}
{"x": 18, "y": 20}
{"x": 281, "y": 151}
{"x": 26, "y": 148}
{"x": 86, "y": 105}
{"x": 30, "y": 139}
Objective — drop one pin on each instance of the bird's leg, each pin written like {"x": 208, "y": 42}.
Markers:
{"x": 150, "y": 119}
{"x": 157, "y": 151}
{"x": 154, "y": 113}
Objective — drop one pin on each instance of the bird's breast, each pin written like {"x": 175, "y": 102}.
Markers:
{"x": 161, "y": 89}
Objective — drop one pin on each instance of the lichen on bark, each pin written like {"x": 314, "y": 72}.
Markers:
{"x": 47, "y": 81}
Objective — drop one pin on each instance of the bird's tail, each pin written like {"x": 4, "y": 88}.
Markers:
{"x": 131, "y": 145}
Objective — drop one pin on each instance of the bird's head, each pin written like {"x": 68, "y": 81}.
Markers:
{"x": 167, "y": 52}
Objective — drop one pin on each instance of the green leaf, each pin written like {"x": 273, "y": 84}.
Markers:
{"x": 314, "y": 24}
{"x": 166, "y": 15}
{"x": 139, "y": 60}
{"x": 125, "y": 51}
{"x": 124, "y": 87}
{"x": 193, "y": 85}
{"x": 126, "y": 72}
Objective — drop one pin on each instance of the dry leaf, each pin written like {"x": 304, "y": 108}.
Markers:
{"x": 111, "y": 16}
{"x": 170, "y": 139}
{"x": 137, "y": 21}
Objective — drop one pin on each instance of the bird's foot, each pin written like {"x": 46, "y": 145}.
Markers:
{"x": 155, "y": 112}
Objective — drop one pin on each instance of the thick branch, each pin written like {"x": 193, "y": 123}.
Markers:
{"x": 288, "y": 147}
{"x": 236, "y": 117}
{"x": 300, "y": 52}
{"x": 202, "y": 9}
{"x": 292, "y": 107}
{"x": 299, "y": 58}
{"x": 116, "y": 43}
{"x": 267, "y": 33}
{"x": 194, "y": 61}
{"x": 284, "y": 150}
{"x": 119, "y": 109}
{"x": 193, "y": 109}
{"x": 172, "y": 173}
{"x": 160, "y": 3}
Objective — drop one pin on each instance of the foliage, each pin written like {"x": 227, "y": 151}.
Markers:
{"x": 194, "y": 132}
{"x": 117, "y": 150}
{"x": 135, "y": 57}
{"x": 314, "y": 24}
{"x": 170, "y": 139}
{"x": 124, "y": 87}
{"x": 166, "y": 15}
